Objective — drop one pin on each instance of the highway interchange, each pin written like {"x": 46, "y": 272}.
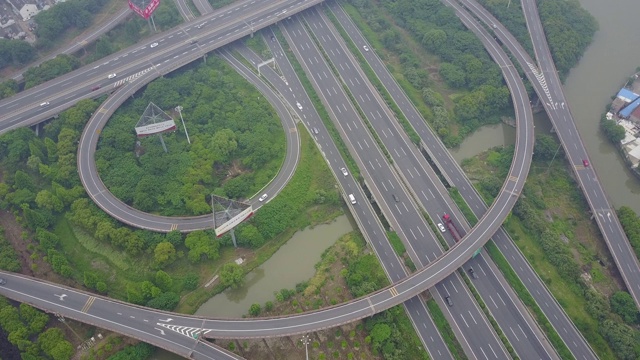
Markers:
{"x": 369, "y": 184}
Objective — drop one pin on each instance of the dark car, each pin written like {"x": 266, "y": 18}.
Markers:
{"x": 95, "y": 88}
{"x": 448, "y": 300}
{"x": 585, "y": 162}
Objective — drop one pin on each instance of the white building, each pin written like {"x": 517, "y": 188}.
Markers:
{"x": 28, "y": 11}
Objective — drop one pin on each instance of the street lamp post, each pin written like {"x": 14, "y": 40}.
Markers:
{"x": 305, "y": 340}
{"x": 179, "y": 110}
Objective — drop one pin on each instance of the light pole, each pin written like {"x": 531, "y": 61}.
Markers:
{"x": 179, "y": 110}
{"x": 305, "y": 340}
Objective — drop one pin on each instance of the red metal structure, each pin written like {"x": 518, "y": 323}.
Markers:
{"x": 144, "y": 8}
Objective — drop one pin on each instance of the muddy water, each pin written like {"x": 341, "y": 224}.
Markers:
{"x": 491, "y": 136}
{"x": 292, "y": 263}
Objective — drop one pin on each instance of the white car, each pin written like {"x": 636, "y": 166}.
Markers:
{"x": 2, "y": 281}
{"x": 154, "y": 45}
{"x": 366, "y": 48}
{"x": 263, "y": 197}
{"x": 111, "y": 76}
{"x": 344, "y": 172}
{"x": 299, "y": 106}
{"x": 44, "y": 103}
{"x": 441, "y": 227}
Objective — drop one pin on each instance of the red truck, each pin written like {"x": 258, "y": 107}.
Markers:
{"x": 452, "y": 227}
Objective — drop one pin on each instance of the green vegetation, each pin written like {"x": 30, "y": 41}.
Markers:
{"x": 15, "y": 52}
{"x": 463, "y": 64}
{"x": 631, "y": 224}
{"x": 8, "y": 257}
{"x": 70, "y": 14}
{"x": 25, "y": 329}
{"x": 614, "y": 132}
{"x": 140, "y": 351}
{"x": 237, "y": 144}
{"x": 50, "y": 69}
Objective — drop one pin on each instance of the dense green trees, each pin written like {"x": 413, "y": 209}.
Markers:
{"x": 8, "y": 257}
{"x": 231, "y": 275}
{"x": 237, "y": 143}
{"x": 631, "y": 225}
{"x": 15, "y": 52}
{"x": 25, "y": 324}
{"x": 622, "y": 304}
{"x": 614, "y": 132}
{"x": 140, "y": 351}
{"x": 202, "y": 245}
{"x": 73, "y": 13}
{"x": 50, "y": 69}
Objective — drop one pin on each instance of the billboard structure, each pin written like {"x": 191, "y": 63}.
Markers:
{"x": 227, "y": 214}
{"x": 144, "y": 8}
{"x": 154, "y": 121}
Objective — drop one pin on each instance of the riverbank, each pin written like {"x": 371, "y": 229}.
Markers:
{"x": 621, "y": 123}
{"x": 345, "y": 268}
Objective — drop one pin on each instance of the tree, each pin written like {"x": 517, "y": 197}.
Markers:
{"x": 163, "y": 280}
{"x": 166, "y": 301}
{"x": 164, "y": 254}
{"x": 250, "y": 235}
{"x": 254, "y": 310}
{"x": 545, "y": 147}
{"x": 101, "y": 287}
{"x": 380, "y": 333}
{"x": 231, "y": 275}
{"x": 623, "y": 305}
{"x": 46, "y": 200}
{"x": 90, "y": 279}
{"x": 201, "y": 246}
{"x": 614, "y": 132}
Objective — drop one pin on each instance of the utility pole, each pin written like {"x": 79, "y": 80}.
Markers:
{"x": 179, "y": 110}
{"x": 305, "y": 340}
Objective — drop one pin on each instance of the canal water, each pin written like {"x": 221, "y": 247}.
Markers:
{"x": 293, "y": 263}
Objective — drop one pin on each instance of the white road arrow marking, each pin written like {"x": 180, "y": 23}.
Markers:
{"x": 165, "y": 320}
{"x": 61, "y": 296}
{"x": 161, "y": 331}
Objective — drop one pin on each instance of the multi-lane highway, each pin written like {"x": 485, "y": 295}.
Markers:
{"x": 383, "y": 182}
{"x": 410, "y": 164}
{"x": 291, "y": 89}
